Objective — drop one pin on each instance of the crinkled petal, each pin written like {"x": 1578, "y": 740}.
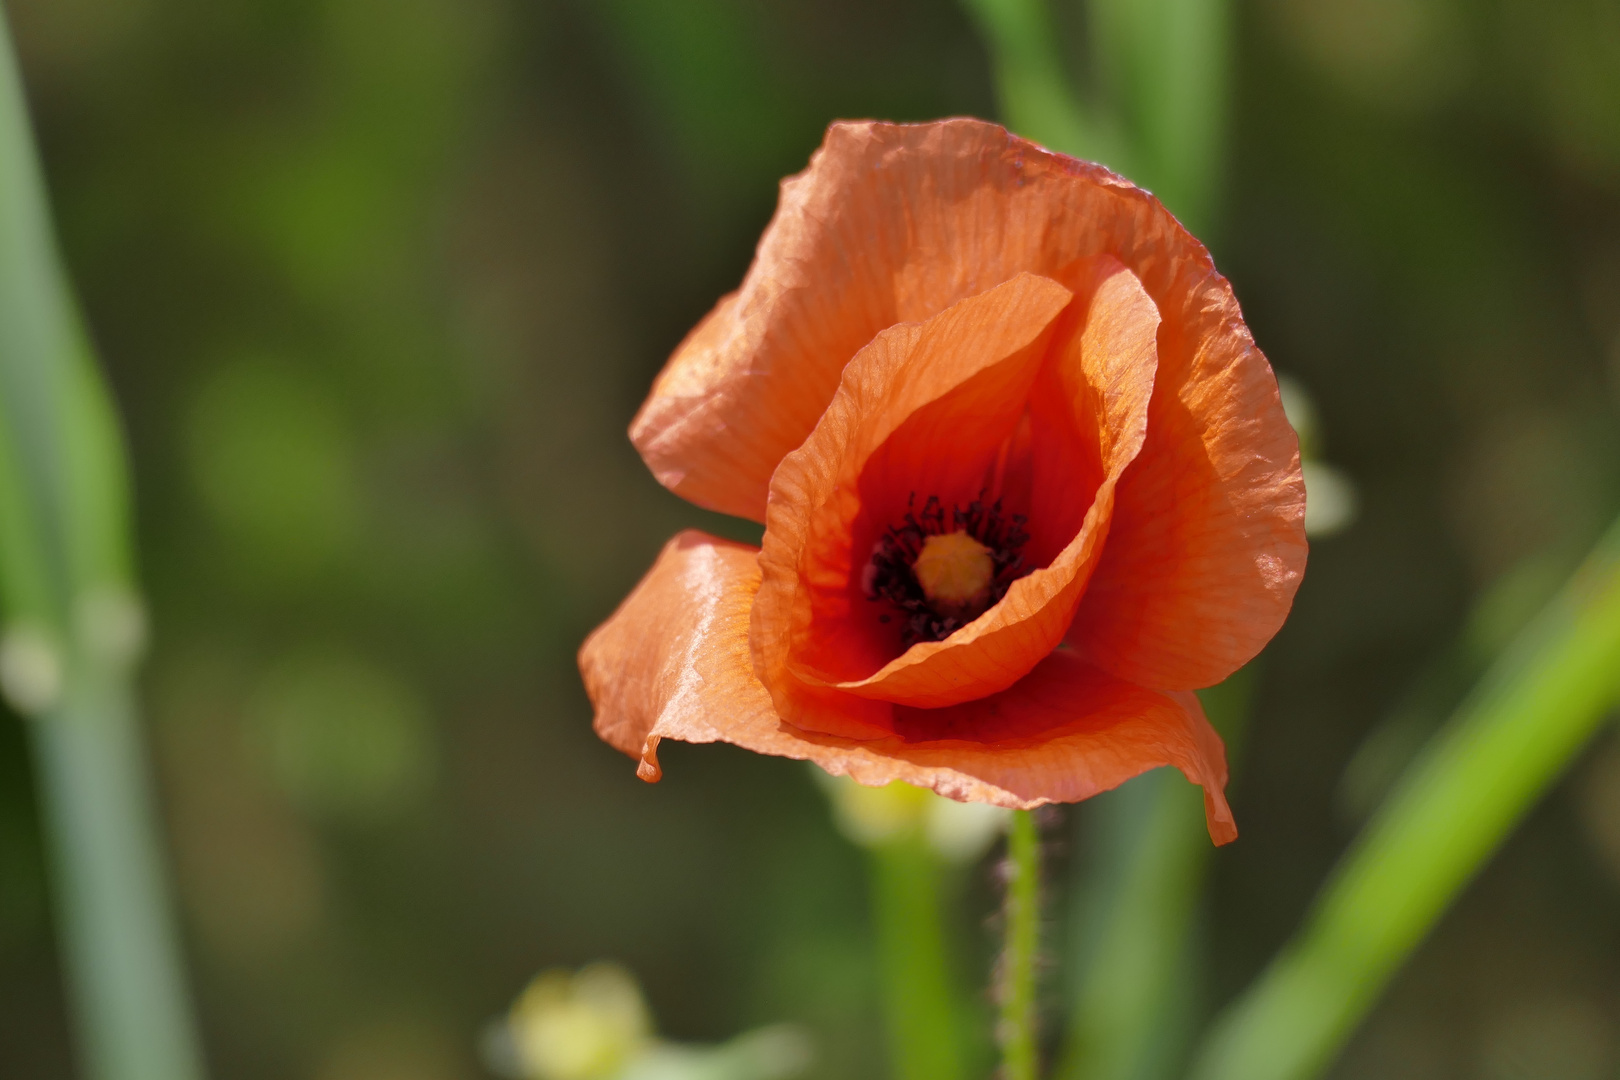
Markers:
{"x": 1208, "y": 543}
{"x": 894, "y": 223}
{"x": 1065, "y": 732}
{"x": 1100, "y": 382}
{"x": 939, "y": 397}
{"x": 673, "y": 662}
{"x": 890, "y": 224}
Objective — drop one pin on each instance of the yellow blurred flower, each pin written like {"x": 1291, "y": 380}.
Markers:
{"x": 580, "y": 1026}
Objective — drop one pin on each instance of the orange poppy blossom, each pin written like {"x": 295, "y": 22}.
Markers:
{"x": 1025, "y": 479}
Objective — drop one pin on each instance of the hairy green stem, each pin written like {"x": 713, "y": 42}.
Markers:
{"x": 1018, "y": 1029}
{"x": 1539, "y": 704}
{"x": 72, "y": 630}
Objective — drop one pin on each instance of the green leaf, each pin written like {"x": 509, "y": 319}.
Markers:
{"x": 1164, "y": 63}
{"x": 1509, "y": 741}
{"x": 1037, "y": 99}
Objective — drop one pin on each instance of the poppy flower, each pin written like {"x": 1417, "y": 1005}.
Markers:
{"x": 1025, "y": 479}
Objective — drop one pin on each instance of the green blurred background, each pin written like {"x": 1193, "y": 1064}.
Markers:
{"x": 378, "y": 286}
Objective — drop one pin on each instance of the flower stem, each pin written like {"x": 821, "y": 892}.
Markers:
{"x": 920, "y": 1006}
{"x": 1017, "y": 1028}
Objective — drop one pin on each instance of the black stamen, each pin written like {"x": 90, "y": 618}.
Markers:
{"x": 889, "y": 575}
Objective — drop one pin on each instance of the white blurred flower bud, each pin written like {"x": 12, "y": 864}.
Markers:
{"x": 1330, "y": 500}
{"x": 30, "y": 668}
{"x": 961, "y": 832}
{"x": 594, "y": 1025}
{"x": 1300, "y": 408}
{"x": 770, "y": 1053}
{"x": 112, "y": 625}
{"x": 1330, "y": 494}
{"x": 584, "y": 1026}
{"x": 778, "y": 1052}
{"x": 869, "y": 816}
{"x": 874, "y": 815}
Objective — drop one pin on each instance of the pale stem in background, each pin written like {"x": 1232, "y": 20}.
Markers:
{"x": 914, "y": 841}
{"x": 919, "y": 999}
{"x": 1136, "y": 961}
{"x": 1037, "y": 97}
{"x": 73, "y": 630}
{"x": 1164, "y": 66}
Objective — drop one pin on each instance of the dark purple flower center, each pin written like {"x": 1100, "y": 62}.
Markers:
{"x": 932, "y": 614}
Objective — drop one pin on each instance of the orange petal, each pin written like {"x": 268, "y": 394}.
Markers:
{"x": 894, "y": 223}
{"x": 1064, "y": 732}
{"x": 681, "y": 431}
{"x": 890, "y": 223}
{"x": 1208, "y": 543}
{"x": 955, "y": 387}
{"x": 673, "y": 662}
{"x": 1099, "y": 384}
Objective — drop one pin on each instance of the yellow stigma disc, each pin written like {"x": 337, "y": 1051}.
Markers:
{"x": 954, "y": 570}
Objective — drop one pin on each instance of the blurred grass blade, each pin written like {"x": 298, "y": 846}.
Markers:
{"x": 1503, "y": 609}
{"x": 1162, "y": 67}
{"x": 1037, "y": 98}
{"x": 1163, "y": 74}
{"x": 923, "y": 1021}
{"x": 72, "y": 630}
{"x": 1136, "y": 905}
{"x": 1534, "y": 710}
{"x": 1131, "y": 1009}
{"x": 1165, "y": 66}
